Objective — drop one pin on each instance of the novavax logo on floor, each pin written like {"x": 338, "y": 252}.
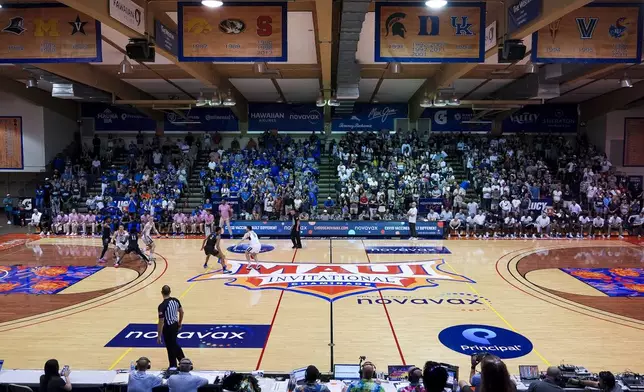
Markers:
{"x": 241, "y": 248}
{"x": 470, "y": 339}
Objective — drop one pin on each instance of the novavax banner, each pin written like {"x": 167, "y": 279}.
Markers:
{"x": 285, "y": 117}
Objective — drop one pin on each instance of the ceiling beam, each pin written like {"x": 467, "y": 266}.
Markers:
{"x": 448, "y": 73}
{"x": 324, "y": 34}
{"x": 39, "y": 97}
{"x": 203, "y": 72}
{"x": 89, "y": 75}
{"x": 614, "y": 100}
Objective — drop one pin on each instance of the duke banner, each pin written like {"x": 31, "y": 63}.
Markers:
{"x": 11, "y": 151}
{"x": 233, "y": 32}
{"x": 596, "y": 33}
{"x": 48, "y": 33}
{"x": 202, "y": 119}
{"x": 366, "y": 117}
{"x": 414, "y": 33}
{"x": 116, "y": 118}
{"x": 285, "y": 117}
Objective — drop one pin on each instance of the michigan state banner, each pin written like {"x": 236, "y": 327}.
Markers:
{"x": 48, "y": 33}
{"x": 233, "y": 32}
{"x": 596, "y": 33}
{"x": 414, "y": 33}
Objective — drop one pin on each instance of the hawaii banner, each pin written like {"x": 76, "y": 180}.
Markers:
{"x": 372, "y": 118}
{"x": 233, "y": 32}
{"x": 202, "y": 119}
{"x": 285, "y": 117}
{"x": 596, "y": 33}
{"x": 116, "y": 118}
{"x": 48, "y": 33}
{"x": 11, "y": 154}
{"x": 414, "y": 33}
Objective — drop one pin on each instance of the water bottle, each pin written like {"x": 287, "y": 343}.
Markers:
{"x": 132, "y": 366}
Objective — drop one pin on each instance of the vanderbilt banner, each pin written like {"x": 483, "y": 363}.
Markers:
{"x": 48, "y": 33}
{"x": 596, "y": 33}
{"x": 414, "y": 33}
{"x": 234, "y": 32}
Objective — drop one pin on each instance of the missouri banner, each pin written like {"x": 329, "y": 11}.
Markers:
{"x": 11, "y": 156}
{"x": 233, "y": 32}
{"x": 633, "y": 142}
{"x": 48, "y": 33}
{"x": 414, "y": 33}
{"x": 596, "y": 33}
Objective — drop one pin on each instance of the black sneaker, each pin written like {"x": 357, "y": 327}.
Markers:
{"x": 205, "y": 265}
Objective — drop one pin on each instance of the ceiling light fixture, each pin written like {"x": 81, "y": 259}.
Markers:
{"x": 216, "y": 99}
{"x": 333, "y": 102}
{"x": 436, "y": 3}
{"x": 439, "y": 102}
{"x": 625, "y": 81}
{"x": 395, "y": 67}
{"x": 426, "y": 102}
{"x": 454, "y": 101}
{"x": 320, "y": 102}
{"x": 201, "y": 101}
{"x": 229, "y": 100}
{"x": 259, "y": 68}
{"x": 31, "y": 83}
{"x": 212, "y": 3}
{"x": 531, "y": 68}
{"x": 125, "y": 67}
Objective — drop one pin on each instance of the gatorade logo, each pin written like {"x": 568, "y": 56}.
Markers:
{"x": 470, "y": 339}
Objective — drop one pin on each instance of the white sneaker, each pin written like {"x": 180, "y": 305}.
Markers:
{"x": 8, "y": 222}
{"x": 621, "y": 237}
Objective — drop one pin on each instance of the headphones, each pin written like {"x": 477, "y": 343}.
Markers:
{"x": 365, "y": 364}
{"x": 315, "y": 372}
{"x": 185, "y": 362}
{"x": 143, "y": 363}
{"x": 410, "y": 375}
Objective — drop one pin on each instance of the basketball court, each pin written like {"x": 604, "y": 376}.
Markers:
{"x": 577, "y": 301}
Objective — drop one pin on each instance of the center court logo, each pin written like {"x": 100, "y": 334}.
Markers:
{"x": 335, "y": 281}
{"x": 470, "y": 339}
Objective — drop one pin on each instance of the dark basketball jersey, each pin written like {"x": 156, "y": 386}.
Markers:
{"x": 211, "y": 241}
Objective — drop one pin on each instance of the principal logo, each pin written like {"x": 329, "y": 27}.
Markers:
{"x": 335, "y": 281}
{"x": 394, "y": 24}
{"x": 16, "y": 26}
{"x": 195, "y": 336}
{"x": 232, "y": 26}
{"x": 619, "y": 29}
{"x": 470, "y": 339}
{"x": 586, "y": 27}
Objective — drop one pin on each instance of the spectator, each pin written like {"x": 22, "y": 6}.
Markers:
{"x": 367, "y": 382}
{"x": 8, "y": 208}
{"x": 311, "y": 377}
{"x": 551, "y": 383}
{"x": 415, "y": 377}
{"x": 52, "y": 381}
{"x": 434, "y": 377}
{"x": 141, "y": 381}
{"x": 35, "y": 221}
{"x": 494, "y": 377}
{"x": 184, "y": 381}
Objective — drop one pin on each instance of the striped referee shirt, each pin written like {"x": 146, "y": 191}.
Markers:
{"x": 169, "y": 311}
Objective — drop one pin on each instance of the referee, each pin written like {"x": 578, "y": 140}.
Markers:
{"x": 295, "y": 230}
{"x": 170, "y": 320}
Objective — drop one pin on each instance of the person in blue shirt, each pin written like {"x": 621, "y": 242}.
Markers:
{"x": 40, "y": 198}
{"x": 131, "y": 207}
{"x": 141, "y": 381}
{"x": 8, "y": 208}
{"x": 207, "y": 205}
{"x": 184, "y": 381}
{"x": 329, "y": 203}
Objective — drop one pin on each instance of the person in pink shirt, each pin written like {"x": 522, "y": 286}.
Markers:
{"x": 225, "y": 213}
{"x": 209, "y": 221}
{"x": 65, "y": 221}
{"x": 90, "y": 223}
{"x": 179, "y": 224}
{"x": 72, "y": 224}
{"x": 59, "y": 222}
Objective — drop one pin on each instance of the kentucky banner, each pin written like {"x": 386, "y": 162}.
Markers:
{"x": 116, "y": 118}
{"x": 202, "y": 119}
{"x": 414, "y": 33}
{"x": 48, "y": 33}
{"x": 233, "y": 32}
{"x": 285, "y": 117}
{"x": 543, "y": 118}
{"x": 366, "y": 117}
{"x": 11, "y": 151}
{"x": 596, "y": 33}
{"x": 453, "y": 120}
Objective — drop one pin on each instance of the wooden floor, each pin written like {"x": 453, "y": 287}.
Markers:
{"x": 519, "y": 284}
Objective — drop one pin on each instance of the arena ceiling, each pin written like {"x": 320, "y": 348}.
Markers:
{"x": 313, "y": 47}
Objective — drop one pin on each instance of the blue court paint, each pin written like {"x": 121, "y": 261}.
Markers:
{"x": 408, "y": 250}
{"x": 241, "y": 248}
{"x": 470, "y": 339}
{"x": 195, "y": 336}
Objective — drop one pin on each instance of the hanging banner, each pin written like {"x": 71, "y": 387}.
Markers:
{"x": 454, "y": 120}
{"x": 633, "y": 142}
{"x": 490, "y": 36}
{"x": 543, "y": 118}
{"x": 523, "y": 12}
{"x": 11, "y": 154}
{"x": 48, "y": 33}
{"x": 233, "y": 32}
{"x": 596, "y": 33}
{"x": 115, "y": 118}
{"x": 285, "y": 117}
{"x": 202, "y": 119}
{"x": 164, "y": 38}
{"x": 366, "y": 117}
{"x": 414, "y": 33}
{"x": 129, "y": 13}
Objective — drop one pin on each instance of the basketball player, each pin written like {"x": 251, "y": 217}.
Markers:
{"x": 527, "y": 225}
{"x": 584, "y": 224}
{"x": 454, "y": 227}
{"x": 542, "y": 223}
{"x": 253, "y": 248}
{"x": 133, "y": 245}
{"x": 147, "y": 238}
{"x": 106, "y": 237}
{"x": 597, "y": 226}
{"x": 121, "y": 240}
{"x": 212, "y": 247}
{"x": 510, "y": 225}
{"x": 615, "y": 222}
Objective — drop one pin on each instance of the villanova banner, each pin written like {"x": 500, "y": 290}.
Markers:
{"x": 366, "y": 117}
{"x": 117, "y": 118}
{"x": 596, "y": 33}
{"x": 339, "y": 228}
{"x": 414, "y": 33}
{"x": 285, "y": 117}
{"x": 233, "y": 32}
{"x": 48, "y": 33}
{"x": 202, "y": 119}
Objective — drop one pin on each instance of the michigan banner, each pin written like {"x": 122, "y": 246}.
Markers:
{"x": 234, "y": 32}
{"x": 596, "y": 33}
{"x": 11, "y": 155}
{"x": 48, "y": 33}
{"x": 414, "y": 33}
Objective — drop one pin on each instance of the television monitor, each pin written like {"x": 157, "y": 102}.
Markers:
{"x": 346, "y": 372}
